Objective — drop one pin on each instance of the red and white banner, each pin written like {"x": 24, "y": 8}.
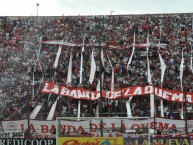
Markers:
{"x": 93, "y": 125}
{"x": 80, "y": 93}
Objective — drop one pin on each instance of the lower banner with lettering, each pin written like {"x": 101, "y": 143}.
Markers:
{"x": 90, "y": 140}
{"x": 158, "y": 141}
{"x": 27, "y": 141}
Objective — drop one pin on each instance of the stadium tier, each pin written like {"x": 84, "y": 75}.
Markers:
{"x": 97, "y": 66}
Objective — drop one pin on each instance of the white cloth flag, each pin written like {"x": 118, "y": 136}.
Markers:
{"x": 130, "y": 59}
{"x": 128, "y": 106}
{"x": 92, "y": 67}
{"x": 163, "y": 68}
{"x": 181, "y": 70}
{"x": 181, "y": 79}
{"x": 52, "y": 111}
{"x": 148, "y": 65}
{"x": 57, "y": 57}
{"x": 69, "y": 76}
{"x": 150, "y": 81}
{"x": 81, "y": 65}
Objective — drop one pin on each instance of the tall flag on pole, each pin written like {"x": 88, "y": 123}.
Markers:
{"x": 163, "y": 68}
{"x": 80, "y": 82}
{"x": 181, "y": 70}
{"x": 57, "y": 57}
{"x": 150, "y": 80}
{"x": 181, "y": 80}
{"x": 92, "y": 67}
{"x": 81, "y": 61}
{"x": 148, "y": 65}
{"x": 69, "y": 76}
{"x": 130, "y": 59}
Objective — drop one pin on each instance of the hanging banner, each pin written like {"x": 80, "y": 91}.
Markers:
{"x": 80, "y": 93}
{"x": 48, "y": 127}
{"x": 158, "y": 141}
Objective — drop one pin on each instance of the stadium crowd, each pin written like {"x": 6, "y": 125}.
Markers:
{"x": 24, "y": 57}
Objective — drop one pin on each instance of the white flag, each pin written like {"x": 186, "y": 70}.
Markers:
{"x": 57, "y": 57}
{"x": 163, "y": 68}
{"x": 92, "y": 67}
{"x": 69, "y": 76}
{"x": 130, "y": 59}
{"x": 182, "y": 70}
{"x": 81, "y": 65}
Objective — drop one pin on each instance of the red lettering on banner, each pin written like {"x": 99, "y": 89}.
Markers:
{"x": 173, "y": 126}
{"x": 135, "y": 126}
{"x": 71, "y": 129}
{"x": 112, "y": 125}
{"x": 44, "y": 128}
{"x": 163, "y": 126}
{"x": 63, "y": 128}
{"x": 153, "y": 124}
{"x": 32, "y": 128}
{"x": 93, "y": 127}
{"x": 22, "y": 127}
{"x": 53, "y": 128}
{"x": 80, "y": 129}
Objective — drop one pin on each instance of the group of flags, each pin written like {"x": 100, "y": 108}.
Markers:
{"x": 93, "y": 66}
